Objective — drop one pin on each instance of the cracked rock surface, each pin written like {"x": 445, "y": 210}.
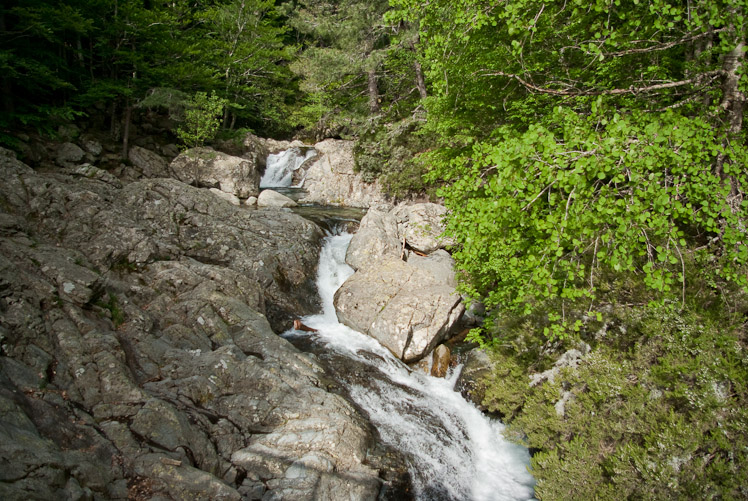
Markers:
{"x": 403, "y": 298}
{"x": 138, "y": 358}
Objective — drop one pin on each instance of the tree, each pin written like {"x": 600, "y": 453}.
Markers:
{"x": 340, "y": 65}
{"x": 201, "y": 119}
{"x": 580, "y": 139}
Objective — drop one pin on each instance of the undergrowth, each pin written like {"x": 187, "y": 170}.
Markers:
{"x": 655, "y": 408}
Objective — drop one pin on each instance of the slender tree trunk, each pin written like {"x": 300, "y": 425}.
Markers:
{"x": 733, "y": 102}
{"x": 114, "y": 124}
{"x": 126, "y": 130}
{"x": 373, "y": 91}
{"x": 420, "y": 81}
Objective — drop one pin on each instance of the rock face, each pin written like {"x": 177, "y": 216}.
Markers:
{"x": 330, "y": 179}
{"x": 138, "y": 358}
{"x": 207, "y": 168}
{"x": 408, "y": 306}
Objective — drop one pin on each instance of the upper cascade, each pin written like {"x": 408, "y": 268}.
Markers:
{"x": 279, "y": 172}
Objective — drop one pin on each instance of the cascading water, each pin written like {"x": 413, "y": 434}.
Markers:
{"x": 454, "y": 451}
{"x": 280, "y": 167}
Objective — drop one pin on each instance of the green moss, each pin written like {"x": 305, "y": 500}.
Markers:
{"x": 657, "y": 409}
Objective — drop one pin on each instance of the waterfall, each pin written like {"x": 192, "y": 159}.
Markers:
{"x": 453, "y": 450}
{"x": 280, "y": 167}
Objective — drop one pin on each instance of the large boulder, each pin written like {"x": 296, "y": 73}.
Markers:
{"x": 400, "y": 295}
{"x": 270, "y": 198}
{"x": 138, "y": 353}
{"x": 402, "y": 306}
{"x": 207, "y": 168}
{"x": 377, "y": 236}
{"x": 69, "y": 154}
{"x": 331, "y": 179}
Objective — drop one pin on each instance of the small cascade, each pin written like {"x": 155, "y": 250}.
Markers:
{"x": 454, "y": 452}
{"x": 280, "y": 167}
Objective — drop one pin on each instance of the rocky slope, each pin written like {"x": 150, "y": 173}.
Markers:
{"x": 138, "y": 354}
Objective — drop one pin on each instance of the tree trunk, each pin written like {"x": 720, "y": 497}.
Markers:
{"x": 420, "y": 81}
{"x": 126, "y": 132}
{"x": 733, "y": 103}
{"x": 373, "y": 91}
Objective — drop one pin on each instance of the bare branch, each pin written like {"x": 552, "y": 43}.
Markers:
{"x": 662, "y": 46}
{"x": 607, "y": 92}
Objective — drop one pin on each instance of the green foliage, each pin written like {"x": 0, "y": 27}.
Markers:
{"x": 539, "y": 213}
{"x": 387, "y": 151}
{"x": 201, "y": 119}
{"x": 578, "y": 140}
{"x": 665, "y": 418}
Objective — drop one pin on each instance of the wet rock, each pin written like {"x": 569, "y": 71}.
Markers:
{"x": 440, "y": 362}
{"x": 401, "y": 306}
{"x": 476, "y": 366}
{"x": 270, "y": 198}
{"x": 207, "y": 168}
{"x": 151, "y": 164}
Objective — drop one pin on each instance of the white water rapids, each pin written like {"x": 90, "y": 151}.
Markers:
{"x": 454, "y": 451}
{"x": 281, "y": 166}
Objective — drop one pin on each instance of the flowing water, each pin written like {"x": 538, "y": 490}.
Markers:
{"x": 280, "y": 167}
{"x": 453, "y": 451}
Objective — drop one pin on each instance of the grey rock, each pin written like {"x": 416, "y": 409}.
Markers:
{"x": 92, "y": 146}
{"x": 421, "y": 225}
{"x": 330, "y": 179}
{"x": 151, "y": 164}
{"x": 91, "y": 172}
{"x": 208, "y": 168}
{"x": 232, "y": 199}
{"x": 403, "y": 307}
{"x": 69, "y": 154}
{"x": 270, "y": 198}
{"x": 376, "y": 237}
{"x": 139, "y": 357}
{"x": 439, "y": 264}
